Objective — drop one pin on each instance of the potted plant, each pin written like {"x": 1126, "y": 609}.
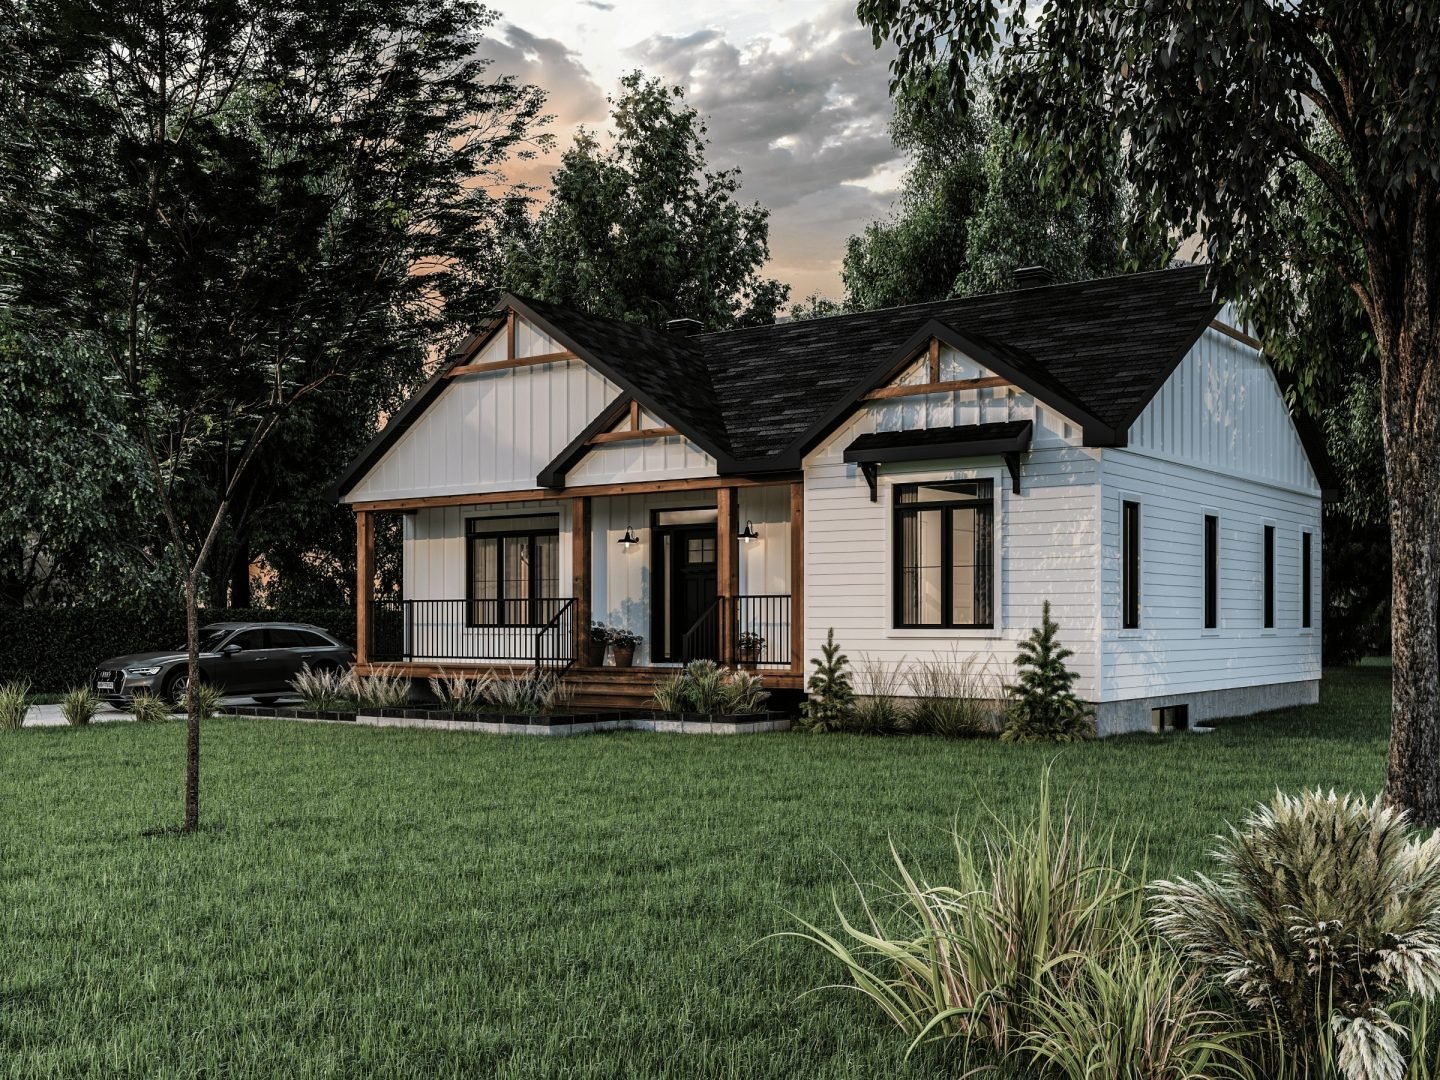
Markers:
{"x": 748, "y": 646}
{"x": 624, "y": 642}
{"x": 595, "y": 647}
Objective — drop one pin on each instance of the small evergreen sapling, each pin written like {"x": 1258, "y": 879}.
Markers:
{"x": 831, "y": 699}
{"x": 1043, "y": 705}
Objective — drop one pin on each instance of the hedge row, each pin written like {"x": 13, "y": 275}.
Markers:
{"x": 57, "y": 648}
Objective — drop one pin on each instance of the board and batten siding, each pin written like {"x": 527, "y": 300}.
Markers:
{"x": 1046, "y": 548}
{"x": 1216, "y": 440}
{"x": 670, "y": 457}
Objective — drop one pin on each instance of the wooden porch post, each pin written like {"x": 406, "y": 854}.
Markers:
{"x": 580, "y": 559}
{"x": 797, "y": 577}
{"x": 727, "y": 567}
{"x": 364, "y": 583}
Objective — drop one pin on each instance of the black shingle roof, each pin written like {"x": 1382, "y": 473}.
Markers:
{"x": 759, "y": 398}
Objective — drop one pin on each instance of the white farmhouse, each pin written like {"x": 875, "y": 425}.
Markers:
{"x": 920, "y": 478}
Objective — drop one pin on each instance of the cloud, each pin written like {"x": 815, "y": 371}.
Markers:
{"x": 804, "y": 113}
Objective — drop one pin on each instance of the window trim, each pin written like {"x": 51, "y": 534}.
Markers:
{"x": 1210, "y": 561}
{"x": 1267, "y": 572}
{"x": 1307, "y": 580}
{"x": 1132, "y": 597}
{"x": 533, "y": 602}
{"x": 897, "y": 511}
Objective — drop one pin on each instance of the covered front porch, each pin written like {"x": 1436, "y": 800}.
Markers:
{"x": 512, "y": 581}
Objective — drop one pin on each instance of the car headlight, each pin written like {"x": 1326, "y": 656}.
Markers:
{"x": 142, "y": 671}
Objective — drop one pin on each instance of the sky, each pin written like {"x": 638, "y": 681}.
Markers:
{"x": 793, "y": 92}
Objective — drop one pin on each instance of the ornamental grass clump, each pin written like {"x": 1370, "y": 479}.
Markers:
{"x": 79, "y": 706}
{"x": 703, "y": 686}
{"x": 455, "y": 692}
{"x": 955, "y": 696}
{"x": 148, "y": 709}
{"x": 324, "y": 689}
{"x": 967, "y": 959}
{"x": 535, "y": 693}
{"x": 1043, "y": 705}
{"x": 878, "y": 709}
{"x": 207, "y": 698}
{"x": 14, "y": 703}
{"x": 1323, "y": 923}
{"x": 384, "y": 688}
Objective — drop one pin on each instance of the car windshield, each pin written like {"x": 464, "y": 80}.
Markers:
{"x": 209, "y": 640}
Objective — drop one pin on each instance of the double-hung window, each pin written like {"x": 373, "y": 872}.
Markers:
{"x": 513, "y": 575}
{"x": 945, "y": 555}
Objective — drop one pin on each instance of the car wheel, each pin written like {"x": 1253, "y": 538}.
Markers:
{"x": 177, "y": 686}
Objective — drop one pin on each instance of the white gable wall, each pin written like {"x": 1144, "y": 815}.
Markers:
{"x": 672, "y": 457}
{"x": 1216, "y": 440}
{"x": 1046, "y": 547}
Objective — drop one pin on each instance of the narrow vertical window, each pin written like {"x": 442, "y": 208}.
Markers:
{"x": 1130, "y": 564}
{"x": 1269, "y": 577}
{"x": 1212, "y": 571}
{"x": 1305, "y": 589}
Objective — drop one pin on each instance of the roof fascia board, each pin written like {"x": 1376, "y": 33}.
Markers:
{"x": 723, "y": 460}
{"x": 553, "y": 475}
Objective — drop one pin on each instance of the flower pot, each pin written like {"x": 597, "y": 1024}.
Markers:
{"x": 624, "y": 655}
{"x": 748, "y": 658}
{"x": 595, "y": 653}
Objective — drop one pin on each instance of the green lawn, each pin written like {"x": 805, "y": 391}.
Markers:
{"x": 425, "y": 904}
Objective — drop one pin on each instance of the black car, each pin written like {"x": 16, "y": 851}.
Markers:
{"x": 253, "y": 659}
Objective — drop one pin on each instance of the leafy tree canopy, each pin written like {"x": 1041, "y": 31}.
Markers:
{"x": 639, "y": 228}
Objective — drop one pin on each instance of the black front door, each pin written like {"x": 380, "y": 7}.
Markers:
{"x": 687, "y": 615}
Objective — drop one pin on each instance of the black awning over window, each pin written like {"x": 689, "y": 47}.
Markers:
{"x": 1007, "y": 439}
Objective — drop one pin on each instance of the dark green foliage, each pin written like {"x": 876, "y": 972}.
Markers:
{"x": 830, "y": 689}
{"x": 1043, "y": 705}
{"x": 974, "y": 208}
{"x": 57, "y": 648}
{"x": 640, "y": 228}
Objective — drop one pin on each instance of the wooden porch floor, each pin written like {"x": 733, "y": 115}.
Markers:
{"x": 594, "y": 687}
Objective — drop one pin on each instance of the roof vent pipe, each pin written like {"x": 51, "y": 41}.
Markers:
{"x": 1030, "y": 277}
{"x": 684, "y": 327}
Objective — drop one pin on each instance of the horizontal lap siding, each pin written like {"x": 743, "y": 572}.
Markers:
{"x": 1172, "y": 652}
{"x": 1046, "y": 548}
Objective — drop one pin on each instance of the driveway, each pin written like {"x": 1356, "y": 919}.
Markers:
{"x": 51, "y": 716}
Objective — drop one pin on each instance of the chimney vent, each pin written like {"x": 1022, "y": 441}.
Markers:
{"x": 1031, "y": 277}
{"x": 684, "y": 327}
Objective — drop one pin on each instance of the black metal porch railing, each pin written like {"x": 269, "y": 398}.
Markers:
{"x": 702, "y": 640}
{"x": 538, "y": 632}
{"x": 767, "y": 617}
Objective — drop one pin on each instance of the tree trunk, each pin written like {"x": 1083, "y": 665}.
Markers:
{"x": 192, "y": 707}
{"x": 1410, "y": 380}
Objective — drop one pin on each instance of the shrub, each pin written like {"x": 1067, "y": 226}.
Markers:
{"x": 14, "y": 704}
{"x": 79, "y": 706}
{"x": 385, "y": 688}
{"x": 749, "y": 641}
{"x": 830, "y": 693}
{"x": 149, "y": 709}
{"x": 532, "y": 694}
{"x": 325, "y": 690}
{"x": 1043, "y": 705}
{"x": 955, "y": 696}
{"x": 207, "y": 698}
{"x": 744, "y": 693}
{"x": 703, "y": 686}
{"x": 877, "y": 709}
{"x": 461, "y": 693}
{"x": 1132, "y": 1013}
{"x": 1324, "y": 913}
{"x": 968, "y": 959}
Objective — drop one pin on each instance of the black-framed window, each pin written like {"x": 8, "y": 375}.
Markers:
{"x": 1305, "y": 587}
{"x": 512, "y": 577}
{"x": 1269, "y": 577}
{"x": 945, "y": 555}
{"x": 1212, "y": 571}
{"x": 1129, "y": 564}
